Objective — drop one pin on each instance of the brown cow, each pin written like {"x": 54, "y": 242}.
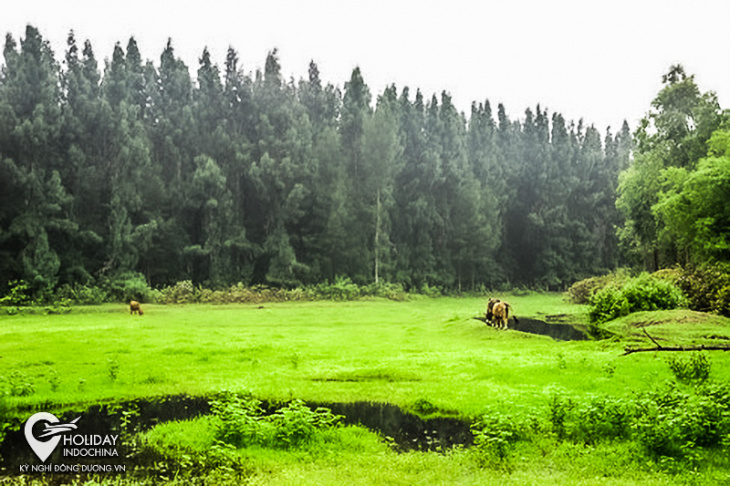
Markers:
{"x": 134, "y": 307}
{"x": 490, "y": 305}
{"x": 500, "y": 315}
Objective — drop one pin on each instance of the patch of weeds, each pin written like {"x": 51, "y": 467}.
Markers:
{"x": 54, "y": 380}
{"x": 295, "y": 359}
{"x": 19, "y": 385}
{"x": 494, "y": 438}
{"x": 241, "y": 422}
{"x": 693, "y": 369}
{"x": 559, "y": 411}
{"x": 423, "y": 407}
{"x": 154, "y": 379}
{"x": 609, "y": 369}
{"x": 113, "y": 369}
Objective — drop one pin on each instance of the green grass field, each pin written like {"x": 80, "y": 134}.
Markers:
{"x": 402, "y": 353}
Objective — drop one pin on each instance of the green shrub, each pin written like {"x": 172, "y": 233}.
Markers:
{"x": 707, "y": 288}
{"x": 126, "y": 286}
{"x": 296, "y": 424}
{"x": 242, "y": 422}
{"x": 608, "y": 304}
{"x": 19, "y": 294}
{"x": 385, "y": 290}
{"x": 80, "y": 294}
{"x": 603, "y": 419}
{"x": 342, "y": 289}
{"x": 182, "y": 292}
{"x": 560, "y": 410}
{"x": 239, "y": 419}
{"x": 646, "y": 293}
{"x": 642, "y": 293}
{"x": 672, "y": 422}
{"x": 582, "y": 291}
{"x": 19, "y": 385}
{"x": 494, "y": 437}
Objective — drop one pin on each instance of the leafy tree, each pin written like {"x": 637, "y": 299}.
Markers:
{"x": 693, "y": 207}
{"x": 673, "y": 135}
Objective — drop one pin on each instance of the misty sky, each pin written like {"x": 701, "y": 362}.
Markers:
{"x": 597, "y": 60}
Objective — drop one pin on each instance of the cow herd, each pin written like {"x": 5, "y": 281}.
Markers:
{"x": 498, "y": 313}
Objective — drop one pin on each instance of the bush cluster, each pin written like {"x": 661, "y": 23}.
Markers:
{"x": 668, "y": 421}
{"x": 133, "y": 286}
{"x": 642, "y": 293}
{"x": 242, "y": 422}
{"x": 707, "y": 288}
{"x": 582, "y": 291}
{"x": 342, "y": 289}
{"x": 693, "y": 369}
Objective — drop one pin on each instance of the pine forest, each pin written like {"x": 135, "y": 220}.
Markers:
{"x": 223, "y": 176}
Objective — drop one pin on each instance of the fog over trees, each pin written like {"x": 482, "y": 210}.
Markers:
{"x": 139, "y": 167}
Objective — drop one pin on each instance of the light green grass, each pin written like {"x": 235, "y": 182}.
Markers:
{"x": 381, "y": 351}
{"x": 384, "y": 351}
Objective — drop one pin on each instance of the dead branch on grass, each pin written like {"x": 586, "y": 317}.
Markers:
{"x": 659, "y": 347}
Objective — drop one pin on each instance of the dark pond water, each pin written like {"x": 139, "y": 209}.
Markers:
{"x": 556, "y": 330}
{"x": 101, "y": 420}
{"x": 406, "y": 431}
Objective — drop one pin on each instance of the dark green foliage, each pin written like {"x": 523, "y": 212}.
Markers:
{"x": 139, "y": 177}
{"x": 18, "y": 294}
{"x": 707, "y": 288}
{"x": 582, "y": 291}
{"x": 642, "y": 293}
{"x": 127, "y": 286}
{"x": 146, "y": 174}
{"x": 673, "y": 196}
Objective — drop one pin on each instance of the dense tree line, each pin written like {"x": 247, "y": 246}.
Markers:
{"x": 232, "y": 177}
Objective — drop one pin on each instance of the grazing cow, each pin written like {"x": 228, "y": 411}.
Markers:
{"x": 490, "y": 305}
{"x": 498, "y": 315}
{"x": 134, "y": 307}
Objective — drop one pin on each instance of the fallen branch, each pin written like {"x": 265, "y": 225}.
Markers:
{"x": 677, "y": 348}
{"x": 659, "y": 347}
{"x": 651, "y": 338}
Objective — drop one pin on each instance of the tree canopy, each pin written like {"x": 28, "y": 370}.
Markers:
{"x": 138, "y": 167}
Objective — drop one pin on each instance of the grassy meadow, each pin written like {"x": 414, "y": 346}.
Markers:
{"x": 403, "y": 353}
